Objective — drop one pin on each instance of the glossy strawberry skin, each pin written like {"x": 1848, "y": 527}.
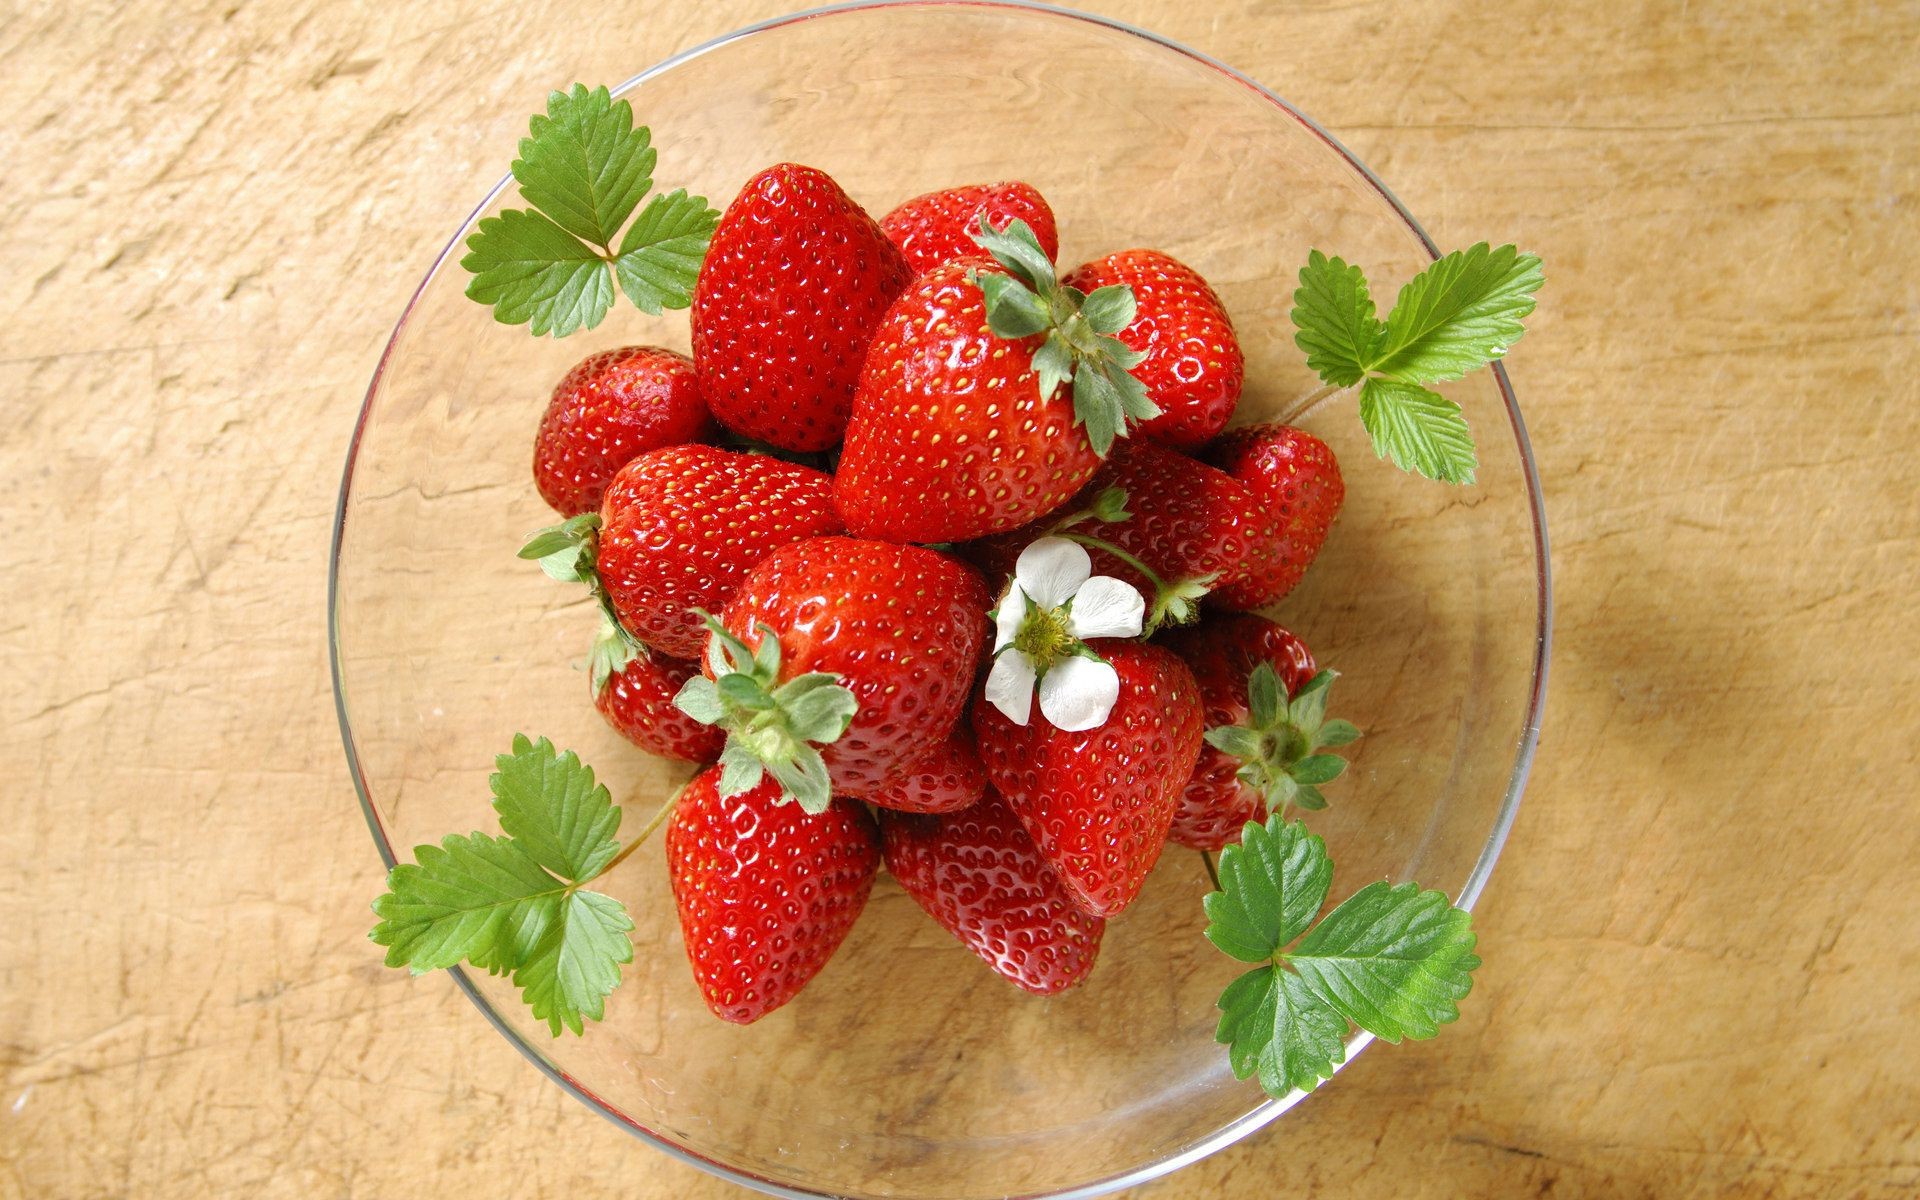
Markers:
{"x": 1194, "y": 367}
{"x": 609, "y": 409}
{"x": 795, "y": 280}
{"x": 638, "y": 702}
{"x": 981, "y": 877}
{"x": 947, "y": 778}
{"x": 902, "y": 626}
{"x": 1098, "y": 804}
{"x": 681, "y": 527}
{"x": 765, "y": 891}
{"x": 1296, "y": 480}
{"x": 938, "y": 227}
{"x": 949, "y": 438}
{"x": 1185, "y": 520}
{"x": 1222, "y": 652}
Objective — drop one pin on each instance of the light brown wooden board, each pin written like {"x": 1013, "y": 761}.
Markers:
{"x": 1701, "y": 968}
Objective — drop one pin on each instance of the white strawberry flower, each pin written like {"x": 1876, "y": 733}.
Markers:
{"x": 1052, "y": 606}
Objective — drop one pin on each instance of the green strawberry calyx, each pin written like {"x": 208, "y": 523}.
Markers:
{"x": 1281, "y": 747}
{"x": 568, "y": 552}
{"x": 773, "y": 728}
{"x": 1079, "y": 328}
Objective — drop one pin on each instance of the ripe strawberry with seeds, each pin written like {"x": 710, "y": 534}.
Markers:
{"x": 609, "y": 409}
{"x": 838, "y": 663}
{"x": 1098, "y": 802}
{"x": 947, "y": 778}
{"x": 637, "y": 700}
{"x": 796, "y": 279}
{"x": 1193, "y": 367}
{"x": 678, "y": 530}
{"x": 962, "y": 425}
{"x": 981, "y": 877}
{"x": 1260, "y": 754}
{"x": 938, "y": 227}
{"x": 1294, "y": 477}
{"x": 765, "y": 891}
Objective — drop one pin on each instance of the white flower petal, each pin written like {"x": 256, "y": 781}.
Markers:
{"x": 1078, "y": 693}
{"x": 1010, "y": 686}
{"x": 1106, "y": 607}
{"x": 1050, "y": 569}
{"x": 1013, "y": 610}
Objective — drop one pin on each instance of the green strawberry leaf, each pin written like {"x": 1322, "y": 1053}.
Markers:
{"x": 1459, "y": 314}
{"x": 1275, "y": 1027}
{"x": 454, "y": 899}
{"x": 1462, "y": 312}
{"x": 535, "y": 273}
{"x": 1333, "y": 315}
{"x": 660, "y": 255}
{"x": 576, "y": 963}
{"x": 1421, "y": 431}
{"x": 550, "y": 804}
{"x": 1395, "y": 961}
{"x": 584, "y": 168}
{"x": 585, "y": 165}
{"x": 516, "y": 905}
{"x": 1272, "y": 883}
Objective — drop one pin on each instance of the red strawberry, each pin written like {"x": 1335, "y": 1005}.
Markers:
{"x": 610, "y": 408}
{"x": 638, "y": 702}
{"x": 1098, "y": 803}
{"x": 947, "y": 778}
{"x": 1194, "y": 367}
{"x": 1223, "y": 652}
{"x": 842, "y": 661}
{"x": 980, "y": 876}
{"x": 1185, "y": 520}
{"x": 965, "y": 423}
{"x": 949, "y": 438}
{"x": 1294, "y": 477}
{"x": 795, "y": 280}
{"x": 681, "y": 527}
{"x": 766, "y": 892}
{"x": 939, "y": 226}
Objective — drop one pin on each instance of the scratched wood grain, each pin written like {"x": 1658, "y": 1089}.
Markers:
{"x": 1702, "y": 972}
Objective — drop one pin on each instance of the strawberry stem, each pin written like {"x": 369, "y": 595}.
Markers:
{"x": 652, "y": 826}
{"x": 1173, "y": 603}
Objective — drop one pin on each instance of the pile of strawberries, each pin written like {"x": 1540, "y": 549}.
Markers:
{"x": 812, "y": 541}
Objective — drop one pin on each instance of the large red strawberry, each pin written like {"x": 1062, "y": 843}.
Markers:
{"x": 795, "y": 280}
{"x": 610, "y": 408}
{"x": 939, "y": 226}
{"x": 1196, "y": 528}
{"x": 681, "y": 527}
{"x": 980, "y": 876}
{"x": 1194, "y": 367}
{"x": 838, "y": 663}
{"x": 947, "y": 778}
{"x": 766, "y": 892}
{"x": 1098, "y": 802}
{"x": 1295, "y": 479}
{"x": 1227, "y": 790}
{"x": 637, "y": 700}
{"x": 989, "y": 396}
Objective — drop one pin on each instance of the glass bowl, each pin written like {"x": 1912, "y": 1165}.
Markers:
{"x": 906, "y": 1069}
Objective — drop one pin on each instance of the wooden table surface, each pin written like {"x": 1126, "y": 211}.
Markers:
{"x": 1702, "y": 971}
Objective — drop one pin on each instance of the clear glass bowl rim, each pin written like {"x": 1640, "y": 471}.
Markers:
{"x": 1476, "y": 879}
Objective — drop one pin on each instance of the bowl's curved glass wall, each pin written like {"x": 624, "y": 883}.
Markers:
{"x": 907, "y": 1069}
